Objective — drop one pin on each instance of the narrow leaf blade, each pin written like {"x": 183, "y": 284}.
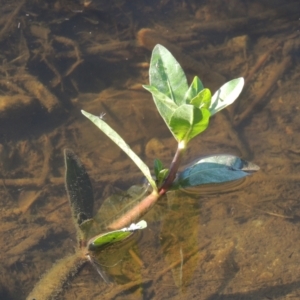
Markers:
{"x": 79, "y": 188}
{"x": 116, "y": 138}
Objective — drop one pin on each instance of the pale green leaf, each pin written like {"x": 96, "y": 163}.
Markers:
{"x": 226, "y": 95}
{"x": 164, "y": 104}
{"x": 166, "y": 75}
{"x": 122, "y": 144}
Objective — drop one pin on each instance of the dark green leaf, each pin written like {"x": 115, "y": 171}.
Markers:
{"x": 162, "y": 176}
{"x": 79, "y": 188}
{"x": 167, "y": 76}
{"x": 157, "y": 167}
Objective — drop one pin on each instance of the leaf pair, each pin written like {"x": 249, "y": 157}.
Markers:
{"x": 185, "y": 110}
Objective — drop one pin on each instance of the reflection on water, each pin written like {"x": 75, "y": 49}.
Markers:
{"x": 63, "y": 56}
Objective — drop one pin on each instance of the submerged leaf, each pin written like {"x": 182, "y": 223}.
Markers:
{"x": 116, "y": 138}
{"x": 79, "y": 188}
{"x": 103, "y": 240}
{"x": 214, "y": 169}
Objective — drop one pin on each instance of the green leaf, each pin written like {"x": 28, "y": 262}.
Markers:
{"x": 164, "y": 104}
{"x": 226, "y": 95}
{"x": 79, "y": 188}
{"x": 193, "y": 90}
{"x": 203, "y": 99}
{"x": 106, "y": 239}
{"x": 188, "y": 121}
{"x": 157, "y": 167}
{"x": 162, "y": 176}
{"x": 122, "y": 144}
{"x": 167, "y": 76}
{"x": 214, "y": 169}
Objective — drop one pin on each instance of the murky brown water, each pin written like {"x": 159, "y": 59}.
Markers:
{"x": 60, "y": 57}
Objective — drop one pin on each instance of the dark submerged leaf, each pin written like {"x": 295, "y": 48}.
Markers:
{"x": 214, "y": 169}
{"x": 79, "y": 188}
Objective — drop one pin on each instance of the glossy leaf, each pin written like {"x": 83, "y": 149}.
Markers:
{"x": 103, "y": 240}
{"x": 203, "y": 99}
{"x": 188, "y": 121}
{"x": 79, "y": 188}
{"x": 115, "y": 137}
{"x": 195, "y": 88}
{"x": 214, "y": 169}
{"x": 226, "y": 95}
{"x": 167, "y": 76}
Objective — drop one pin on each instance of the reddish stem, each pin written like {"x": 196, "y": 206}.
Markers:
{"x": 172, "y": 171}
{"x": 143, "y": 207}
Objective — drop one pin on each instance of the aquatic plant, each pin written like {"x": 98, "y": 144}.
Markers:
{"x": 186, "y": 111}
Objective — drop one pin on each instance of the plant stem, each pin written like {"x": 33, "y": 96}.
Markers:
{"x": 143, "y": 207}
{"x": 136, "y": 212}
{"x": 173, "y": 170}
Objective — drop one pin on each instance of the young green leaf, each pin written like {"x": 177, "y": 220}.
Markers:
{"x": 157, "y": 167}
{"x": 188, "y": 121}
{"x": 162, "y": 175}
{"x": 203, "y": 99}
{"x": 193, "y": 90}
{"x": 122, "y": 144}
{"x": 167, "y": 76}
{"x": 164, "y": 104}
{"x": 226, "y": 95}
{"x": 106, "y": 239}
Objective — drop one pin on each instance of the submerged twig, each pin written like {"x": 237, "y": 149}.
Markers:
{"x": 11, "y": 20}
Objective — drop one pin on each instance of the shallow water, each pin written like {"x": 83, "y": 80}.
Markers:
{"x": 59, "y": 58}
